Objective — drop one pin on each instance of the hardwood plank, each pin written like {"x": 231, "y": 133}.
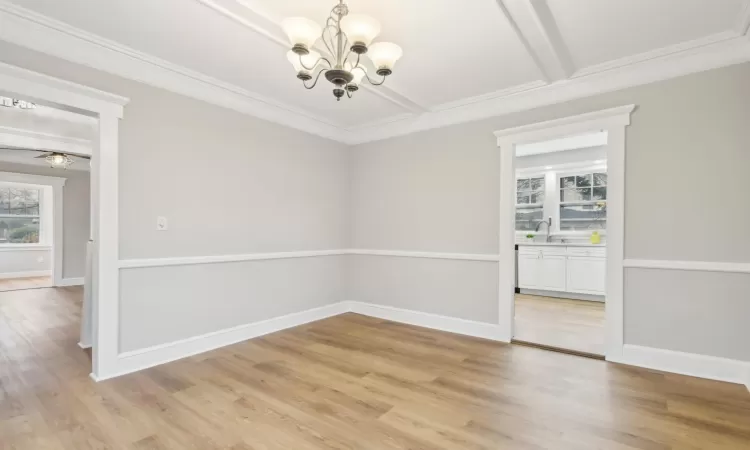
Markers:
{"x": 560, "y": 323}
{"x": 348, "y": 382}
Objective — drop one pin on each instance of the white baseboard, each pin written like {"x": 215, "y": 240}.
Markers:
{"x": 701, "y": 366}
{"x": 427, "y": 320}
{"x": 33, "y": 273}
{"x": 136, "y": 360}
{"x": 84, "y": 346}
{"x": 71, "y": 282}
{"x": 568, "y": 295}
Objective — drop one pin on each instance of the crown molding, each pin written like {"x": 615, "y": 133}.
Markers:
{"x": 710, "y": 53}
{"x": 32, "y": 30}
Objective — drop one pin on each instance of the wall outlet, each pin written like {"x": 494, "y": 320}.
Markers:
{"x": 161, "y": 223}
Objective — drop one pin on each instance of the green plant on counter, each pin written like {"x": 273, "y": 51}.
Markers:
{"x": 529, "y": 236}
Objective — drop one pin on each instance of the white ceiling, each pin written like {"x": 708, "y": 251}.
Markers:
{"x": 462, "y": 59}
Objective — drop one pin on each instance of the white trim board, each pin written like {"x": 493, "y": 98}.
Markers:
{"x": 427, "y": 320}
{"x": 214, "y": 259}
{"x": 691, "y": 364}
{"x": 133, "y": 361}
{"x": 613, "y": 121}
{"x": 430, "y": 255}
{"x": 108, "y": 108}
{"x": 71, "y": 282}
{"x": 190, "y": 260}
{"x": 24, "y": 138}
{"x": 28, "y": 274}
{"x": 30, "y": 29}
{"x": 700, "y": 266}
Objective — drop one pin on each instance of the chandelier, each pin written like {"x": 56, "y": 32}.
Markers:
{"x": 346, "y": 37}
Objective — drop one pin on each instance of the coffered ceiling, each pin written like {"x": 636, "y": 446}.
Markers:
{"x": 463, "y": 59}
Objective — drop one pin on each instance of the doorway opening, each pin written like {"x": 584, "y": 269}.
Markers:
{"x": 561, "y": 227}
{"x": 562, "y": 233}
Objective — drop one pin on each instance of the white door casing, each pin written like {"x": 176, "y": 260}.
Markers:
{"x": 614, "y": 121}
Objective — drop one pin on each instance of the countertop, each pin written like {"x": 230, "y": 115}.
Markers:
{"x": 559, "y": 244}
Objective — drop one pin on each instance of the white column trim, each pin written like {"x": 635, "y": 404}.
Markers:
{"x": 614, "y": 121}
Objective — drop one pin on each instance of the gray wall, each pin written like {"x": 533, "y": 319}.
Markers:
{"x": 76, "y": 203}
{"x": 228, "y": 184}
{"x": 438, "y": 191}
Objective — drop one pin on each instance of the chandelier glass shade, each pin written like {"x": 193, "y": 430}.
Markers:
{"x": 346, "y": 40}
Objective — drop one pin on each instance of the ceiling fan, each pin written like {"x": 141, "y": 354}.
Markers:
{"x": 55, "y": 159}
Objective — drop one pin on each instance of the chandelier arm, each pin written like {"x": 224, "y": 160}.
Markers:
{"x": 348, "y": 93}
{"x": 322, "y": 58}
{"x": 367, "y": 75}
{"x": 330, "y": 37}
{"x": 317, "y": 77}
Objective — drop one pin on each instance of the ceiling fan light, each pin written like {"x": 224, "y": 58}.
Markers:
{"x": 360, "y": 29}
{"x": 302, "y": 32}
{"x": 310, "y": 60}
{"x": 59, "y": 160}
{"x": 384, "y": 55}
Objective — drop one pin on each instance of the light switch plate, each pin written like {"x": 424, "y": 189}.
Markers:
{"x": 161, "y": 223}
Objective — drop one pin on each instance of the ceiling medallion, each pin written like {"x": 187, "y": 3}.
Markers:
{"x": 347, "y": 37}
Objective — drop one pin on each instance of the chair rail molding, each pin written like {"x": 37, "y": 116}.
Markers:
{"x": 699, "y": 266}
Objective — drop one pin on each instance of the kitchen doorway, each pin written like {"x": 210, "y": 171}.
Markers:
{"x": 561, "y": 233}
{"x": 560, "y": 225}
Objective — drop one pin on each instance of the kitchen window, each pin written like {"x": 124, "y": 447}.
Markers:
{"x": 19, "y": 215}
{"x": 529, "y": 202}
{"x": 583, "y": 201}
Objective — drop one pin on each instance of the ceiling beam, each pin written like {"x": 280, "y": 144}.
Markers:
{"x": 244, "y": 14}
{"x": 537, "y": 30}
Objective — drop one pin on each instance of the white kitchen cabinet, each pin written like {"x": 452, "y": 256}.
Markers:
{"x": 562, "y": 269}
{"x": 542, "y": 269}
{"x": 586, "y": 275}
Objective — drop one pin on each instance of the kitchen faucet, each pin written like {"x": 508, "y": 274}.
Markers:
{"x": 547, "y": 222}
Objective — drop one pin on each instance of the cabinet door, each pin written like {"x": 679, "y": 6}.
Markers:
{"x": 587, "y": 275}
{"x": 529, "y": 270}
{"x": 552, "y": 273}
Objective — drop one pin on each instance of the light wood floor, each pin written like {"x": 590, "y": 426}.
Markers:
{"x": 14, "y": 284}
{"x": 349, "y": 382}
{"x": 556, "y": 322}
